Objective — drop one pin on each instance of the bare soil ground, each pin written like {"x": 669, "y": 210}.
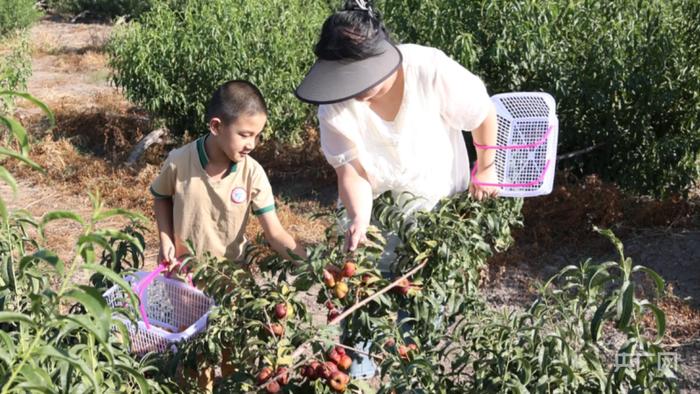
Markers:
{"x": 97, "y": 126}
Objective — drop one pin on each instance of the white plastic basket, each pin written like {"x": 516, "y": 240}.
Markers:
{"x": 526, "y": 147}
{"x": 170, "y": 306}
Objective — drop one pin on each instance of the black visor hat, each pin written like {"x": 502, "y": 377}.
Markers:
{"x": 332, "y": 81}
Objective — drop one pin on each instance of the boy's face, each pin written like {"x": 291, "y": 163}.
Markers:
{"x": 237, "y": 139}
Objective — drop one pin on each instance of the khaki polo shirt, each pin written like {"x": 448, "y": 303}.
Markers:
{"x": 212, "y": 214}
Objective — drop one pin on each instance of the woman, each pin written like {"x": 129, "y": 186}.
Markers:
{"x": 391, "y": 117}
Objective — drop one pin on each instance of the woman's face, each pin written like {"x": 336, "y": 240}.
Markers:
{"x": 372, "y": 94}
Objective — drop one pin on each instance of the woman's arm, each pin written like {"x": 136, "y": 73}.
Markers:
{"x": 356, "y": 194}
{"x": 485, "y": 134}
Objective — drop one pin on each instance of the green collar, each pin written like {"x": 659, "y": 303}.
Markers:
{"x": 204, "y": 159}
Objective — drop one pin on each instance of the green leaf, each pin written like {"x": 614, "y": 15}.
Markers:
{"x": 116, "y": 279}
{"x": 660, "y": 283}
{"x": 140, "y": 379}
{"x": 18, "y": 132}
{"x": 625, "y": 305}
{"x": 95, "y": 305}
{"x": 7, "y": 349}
{"x": 34, "y": 100}
{"x": 105, "y": 214}
{"x": 616, "y": 241}
{"x": 8, "y": 178}
{"x": 44, "y": 255}
{"x": 86, "y": 246}
{"x": 7, "y": 152}
{"x": 364, "y": 386}
{"x": 115, "y": 234}
{"x": 52, "y": 352}
{"x": 9, "y": 317}
{"x": 597, "y": 321}
{"x": 88, "y": 324}
{"x": 3, "y": 212}
{"x": 58, "y": 215}
{"x": 660, "y": 318}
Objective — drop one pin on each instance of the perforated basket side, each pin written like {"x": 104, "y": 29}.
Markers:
{"x": 524, "y": 120}
{"x": 171, "y": 305}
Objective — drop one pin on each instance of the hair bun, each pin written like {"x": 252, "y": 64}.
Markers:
{"x": 358, "y": 5}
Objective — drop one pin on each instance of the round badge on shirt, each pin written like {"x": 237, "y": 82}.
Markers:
{"x": 238, "y": 195}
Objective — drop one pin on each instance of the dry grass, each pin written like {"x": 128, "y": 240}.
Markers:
{"x": 682, "y": 321}
{"x": 51, "y": 38}
{"x": 80, "y": 62}
{"x": 567, "y": 216}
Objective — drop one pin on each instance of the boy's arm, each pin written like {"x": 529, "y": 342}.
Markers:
{"x": 163, "y": 208}
{"x": 278, "y": 237}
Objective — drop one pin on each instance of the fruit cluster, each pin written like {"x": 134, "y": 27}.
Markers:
{"x": 333, "y": 370}
{"x": 335, "y": 278}
{"x": 405, "y": 352}
{"x": 280, "y": 378}
{"x": 281, "y": 312}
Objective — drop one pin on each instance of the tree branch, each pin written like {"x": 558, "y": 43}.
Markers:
{"x": 154, "y": 137}
{"x": 579, "y": 152}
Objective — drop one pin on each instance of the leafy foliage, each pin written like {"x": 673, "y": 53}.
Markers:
{"x": 557, "y": 342}
{"x": 171, "y": 61}
{"x": 625, "y": 74}
{"x": 16, "y": 15}
{"x": 15, "y": 68}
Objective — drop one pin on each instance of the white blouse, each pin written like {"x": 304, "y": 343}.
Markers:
{"x": 422, "y": 150}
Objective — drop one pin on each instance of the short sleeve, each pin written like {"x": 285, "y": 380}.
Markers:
{"x": 164, "y": 184}
{"x": 464, "y": 101}
{"x": 262, "y": 199}
{"x": 336, "y": 147}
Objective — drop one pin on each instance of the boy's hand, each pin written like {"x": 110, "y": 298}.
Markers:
{"x": 166, "y": 255}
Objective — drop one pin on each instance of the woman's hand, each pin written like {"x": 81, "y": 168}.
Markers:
{"x": 355, "y": 236}
{"x": 481, "y": 192}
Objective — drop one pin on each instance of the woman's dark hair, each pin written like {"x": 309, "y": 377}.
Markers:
{"x": 233, "y": 99}
{"x": 354, "y": 32}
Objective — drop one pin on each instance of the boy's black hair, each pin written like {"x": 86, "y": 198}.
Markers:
{"x": 352, "y": 33}
{"x": 233, "y": 99}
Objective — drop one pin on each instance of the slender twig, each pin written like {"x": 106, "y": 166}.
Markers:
{"x": 367, "y": 300}
{"x": 380, "y": 358}
{"x": 578, "y": 152}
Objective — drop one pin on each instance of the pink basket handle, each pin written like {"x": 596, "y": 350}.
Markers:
{"x": 528, "y": 184}
{"x": 143, "y": 285}
{"x": 145, "y": 282}
{"x": 526, "y": 146}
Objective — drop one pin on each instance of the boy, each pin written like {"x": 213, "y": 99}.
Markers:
{"x": 207, "y": 189}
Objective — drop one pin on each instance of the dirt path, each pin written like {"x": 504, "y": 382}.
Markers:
{"x": 69, "y": 67}
{"x": 70, "y": 74}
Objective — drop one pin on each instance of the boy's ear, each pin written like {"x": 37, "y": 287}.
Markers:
{"x": 215, "y": 125}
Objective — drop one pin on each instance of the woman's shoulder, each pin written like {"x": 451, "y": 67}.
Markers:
{"x": 418, "y": 55}
{"x": 337, "y": 112}
{"x": 421, "y": 63}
